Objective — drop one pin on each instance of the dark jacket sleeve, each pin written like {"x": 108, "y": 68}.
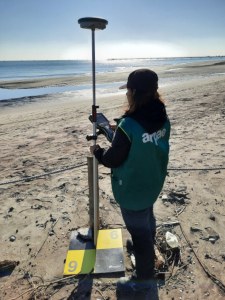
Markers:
{"x": 115, "y": 155}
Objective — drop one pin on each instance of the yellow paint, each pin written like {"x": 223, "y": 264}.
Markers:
{"x": 79, "y": 261}
{"x": 109, "y": 238}
{"x": 83, "y": 261}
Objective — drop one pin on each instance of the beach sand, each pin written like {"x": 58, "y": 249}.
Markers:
{"x": 47, "y": 133}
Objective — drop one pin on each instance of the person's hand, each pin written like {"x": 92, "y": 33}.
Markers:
{"x": 93, "y": 147}
{"x": 113, "y": 126}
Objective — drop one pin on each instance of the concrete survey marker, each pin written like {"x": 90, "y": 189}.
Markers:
{"x": 107, "y": 257}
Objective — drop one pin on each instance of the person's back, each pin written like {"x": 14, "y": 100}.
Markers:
{"x": 142, "y": 174}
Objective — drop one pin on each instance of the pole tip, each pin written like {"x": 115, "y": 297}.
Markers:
{"x": 93, "y": 23}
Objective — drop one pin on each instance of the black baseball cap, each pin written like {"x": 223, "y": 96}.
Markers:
{"x": 143, "y": 80}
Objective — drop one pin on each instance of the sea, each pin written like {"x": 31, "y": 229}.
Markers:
{"x": 29, "y": 70}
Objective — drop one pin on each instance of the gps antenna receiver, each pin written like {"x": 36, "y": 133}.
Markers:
{"x": 93, "y": 23}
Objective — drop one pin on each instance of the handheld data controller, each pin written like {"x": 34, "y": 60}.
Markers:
{"x": 103, "y": 126}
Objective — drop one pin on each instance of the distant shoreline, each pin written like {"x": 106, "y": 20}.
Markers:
{"x": 75, "y": 80}
{"x": 114, "y": 59}
{"x": 80, "y": 86}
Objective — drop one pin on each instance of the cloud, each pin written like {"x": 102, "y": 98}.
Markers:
{"x": 125, "y": 50}
{"x": 77, "y": 53}
{"x": 140, "y": 50}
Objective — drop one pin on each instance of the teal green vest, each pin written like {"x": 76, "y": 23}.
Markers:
{"x": 136, "y": 184}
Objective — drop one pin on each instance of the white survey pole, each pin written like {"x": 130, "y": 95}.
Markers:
{"x": 93, "y": 24}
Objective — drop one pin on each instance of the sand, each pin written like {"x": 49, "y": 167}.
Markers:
{"x": 48, "y": 133}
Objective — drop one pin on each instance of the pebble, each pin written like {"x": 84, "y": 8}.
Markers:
{"x": 111, "y": 200}
{"x": 211, "y": 234}
{"x": 212, "y": 217}
{"x": 212, "y": 240}
{"x": 10, "y": 209}
{"x": 51, "y": 232}
{"x": 12, "y": 238}
{"x": 195, "y": 229}
{"x": 133, "y": 261}
{"x": 85, "y": 233}
{"x": 164, "y": 197}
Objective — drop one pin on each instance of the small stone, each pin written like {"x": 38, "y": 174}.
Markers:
{"x": 10, "y": 209}
{"x": 212, "y": 235}
{"x": 212, "y": 217}
{"x": 133, "y": 261}
{"x": 12, "y": 238}
{"x": 111, "y": 200}
{"x": 85, "y": 233}
{"x": 212, "y": 240}
{"x": 52, "y": 219}
{"x": 195, "y": 229}
{"x": 164, "y": 197}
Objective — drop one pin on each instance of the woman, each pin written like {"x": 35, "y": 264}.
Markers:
{"x": 138, "y": 158}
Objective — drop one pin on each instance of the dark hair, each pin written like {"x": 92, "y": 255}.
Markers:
{"x": 141, "y": 99}
{"x": 142, "y": 80}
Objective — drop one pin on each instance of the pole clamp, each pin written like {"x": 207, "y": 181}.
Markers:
{"x": 94, "y": 112}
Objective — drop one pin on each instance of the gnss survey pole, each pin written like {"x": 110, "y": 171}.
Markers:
{"x": 93, "y": 24}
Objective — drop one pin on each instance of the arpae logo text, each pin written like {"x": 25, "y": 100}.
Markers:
{"x": 153, "y": 137}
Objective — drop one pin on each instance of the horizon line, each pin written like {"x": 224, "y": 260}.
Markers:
{"x": 107, "y": 59}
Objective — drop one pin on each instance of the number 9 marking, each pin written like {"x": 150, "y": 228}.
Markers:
{"x": 72, "y": 266}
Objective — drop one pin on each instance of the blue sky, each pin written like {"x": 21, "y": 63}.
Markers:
{"x": 48, "y": 29}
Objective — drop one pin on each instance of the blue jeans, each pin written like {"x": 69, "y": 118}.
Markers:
{"x": 142, "y": 228}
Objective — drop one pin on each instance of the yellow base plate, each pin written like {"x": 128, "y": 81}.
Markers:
{"x": 83, "y": 258}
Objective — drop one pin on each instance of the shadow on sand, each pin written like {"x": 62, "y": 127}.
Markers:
{"x": 85, "y": 286}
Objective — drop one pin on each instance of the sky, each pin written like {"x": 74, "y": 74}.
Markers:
{"x": 49, "y": 29}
